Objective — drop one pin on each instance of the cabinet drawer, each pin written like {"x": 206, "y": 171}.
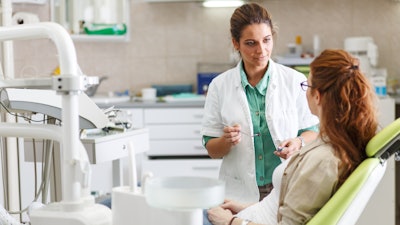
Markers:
{"x": 101, "y": 149}
{"x": 107, "y": 148}
{"x": 177, "y": 148}
{"x": 173, "y": 115}
{"x": 179, "y": 131}
{"x": 179, "y": 167}
{"x": 135, "y": 116}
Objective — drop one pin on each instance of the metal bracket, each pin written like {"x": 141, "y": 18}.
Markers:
{"x": 68, "y": 83}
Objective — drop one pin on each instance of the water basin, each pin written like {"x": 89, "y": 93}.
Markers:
{"x": 184, "y": 192}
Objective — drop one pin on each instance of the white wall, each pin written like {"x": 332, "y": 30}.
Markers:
{"x": 169, "y": 39}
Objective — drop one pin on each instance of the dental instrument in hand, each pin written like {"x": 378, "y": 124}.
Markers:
{"x": 245, "y": 133}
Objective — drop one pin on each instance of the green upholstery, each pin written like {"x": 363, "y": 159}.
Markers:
{"x": 383, "y": 140}
{"x": 337, "y": 205}
{"x": 385, "y": 143}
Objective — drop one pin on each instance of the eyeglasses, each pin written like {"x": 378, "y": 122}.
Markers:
{"x": 304, "y": 85}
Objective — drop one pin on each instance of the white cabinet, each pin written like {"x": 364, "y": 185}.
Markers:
{"x": 175, "y": 143}
{"x": 174, "y": 131}
{"x": 192, "y": 115}
{"x": 134, "y": 116}
{"x": 113, "y": 147}
{"x": 175, "y": 147}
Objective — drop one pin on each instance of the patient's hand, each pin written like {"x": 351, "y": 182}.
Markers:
{"x": 234, "y": 206}
{"x": 219, "y": 216}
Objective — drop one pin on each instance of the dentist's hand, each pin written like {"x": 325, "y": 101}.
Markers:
{"x": 288, "y": 147}
{"x": 232, "y": 134}
{"x": 221, "y": 146}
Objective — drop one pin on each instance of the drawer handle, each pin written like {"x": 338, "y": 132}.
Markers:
{"x": 199, "y": 147}
{"x": 206, "y": 168}
{"x": 198, "y": 116}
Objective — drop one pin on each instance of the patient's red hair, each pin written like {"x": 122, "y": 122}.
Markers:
{"x": 349, "y": 117}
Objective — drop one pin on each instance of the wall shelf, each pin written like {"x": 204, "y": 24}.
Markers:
{"x": 293, "y": 61}
{"x": 71, "y": 14}
{"x": 100, "y": 38}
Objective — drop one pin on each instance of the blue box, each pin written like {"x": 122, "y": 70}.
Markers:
{"x": 203, "y": 80}
{"x": 163, "y": 90}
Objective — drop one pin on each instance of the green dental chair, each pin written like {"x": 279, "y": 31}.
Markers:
{"x": 347, "y": 204}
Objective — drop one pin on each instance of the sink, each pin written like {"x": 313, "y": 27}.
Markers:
{"x": 104, "y": 99}
{"x": 184, "y": 192}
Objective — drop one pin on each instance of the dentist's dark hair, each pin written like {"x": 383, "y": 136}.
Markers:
{"x": 247, "y": 14}
{"x": 349, "y": 116}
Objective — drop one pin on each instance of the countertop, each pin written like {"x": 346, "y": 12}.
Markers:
{"x": 155, "y": 104}
{"x": 177, "y": 104}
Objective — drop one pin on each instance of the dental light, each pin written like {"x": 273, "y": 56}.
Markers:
{"x": 47, "y": 102}
{"x": 222, "y": 3}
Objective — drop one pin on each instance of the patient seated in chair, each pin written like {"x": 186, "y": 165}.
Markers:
{"x": 344, "y": 101}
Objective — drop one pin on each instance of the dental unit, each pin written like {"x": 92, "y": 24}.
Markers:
{"x": 62, "y": 97}
{"x": 77, "y": 206}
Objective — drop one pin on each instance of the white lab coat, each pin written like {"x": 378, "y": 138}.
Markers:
{"x": 226, "y": 104}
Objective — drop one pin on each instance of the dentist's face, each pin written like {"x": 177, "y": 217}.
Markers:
{"x": 255, "y": 45}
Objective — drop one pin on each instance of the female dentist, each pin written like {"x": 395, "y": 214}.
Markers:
{"x": 256, "y": 112}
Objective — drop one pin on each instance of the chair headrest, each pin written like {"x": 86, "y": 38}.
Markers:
{"x": 386, "y": 142}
